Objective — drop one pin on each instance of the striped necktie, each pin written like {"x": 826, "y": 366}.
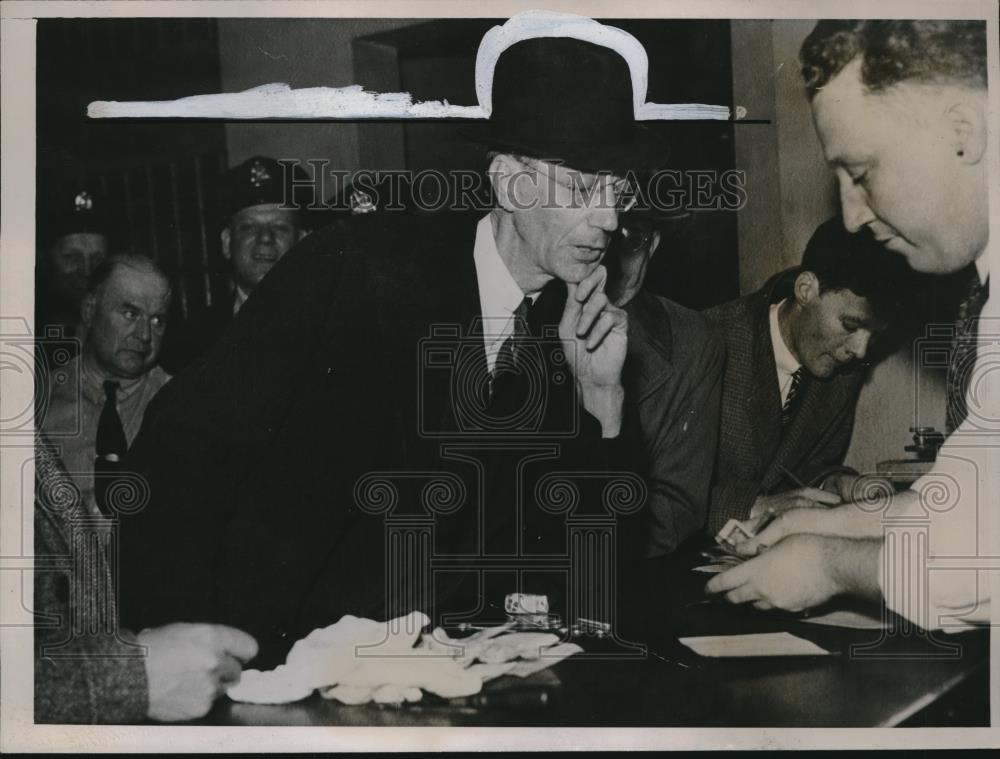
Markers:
{"x": 963, "y": 350}
{"x": 792, "y": 400}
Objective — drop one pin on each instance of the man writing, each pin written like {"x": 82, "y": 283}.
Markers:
{"x": 900, "y": 109}
{"x": 794, "y": 353}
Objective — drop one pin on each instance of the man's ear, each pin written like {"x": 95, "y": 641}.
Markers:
{"x": 806, "y": 288}
{"x": 967, "y": 122}
{"x": 503, "y": 172}
{"x": 302, "y": 233}
{"x": 225, "y": 243}
{"x": 654, "y": 243}
{"x": 88, "y": 307}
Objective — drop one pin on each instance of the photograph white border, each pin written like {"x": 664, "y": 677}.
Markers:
{"x": 17, "y": 185}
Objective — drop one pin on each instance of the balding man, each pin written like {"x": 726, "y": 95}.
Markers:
{"x": 95, "y": 406}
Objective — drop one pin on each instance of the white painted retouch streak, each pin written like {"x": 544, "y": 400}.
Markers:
{"x": 279, "y": 101}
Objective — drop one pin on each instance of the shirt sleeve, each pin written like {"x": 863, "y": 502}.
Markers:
{"x": 940, "y": 558}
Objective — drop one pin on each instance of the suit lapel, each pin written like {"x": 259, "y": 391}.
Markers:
{"x": 455, "y": 311}
{"x": 802, "y": 430}
{"x": 650, "y": 348}
{"x": 763, "y": 399}
{"x": 822, "y": 404}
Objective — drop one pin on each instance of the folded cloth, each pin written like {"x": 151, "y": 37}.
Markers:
{"x": 359, "y": 660}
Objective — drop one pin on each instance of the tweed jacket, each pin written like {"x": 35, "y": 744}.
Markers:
{"x": 753, "y": 448}
{"x": 95, "y": 677}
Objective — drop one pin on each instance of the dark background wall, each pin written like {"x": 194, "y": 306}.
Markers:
{"x": 158, "y": 178}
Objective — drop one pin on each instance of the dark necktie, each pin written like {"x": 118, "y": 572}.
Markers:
{"x": 792, "y": 399}
{"x": 510, "y": 354}
{"x": 963, "y": 350}
{"x": 110, "y": 447}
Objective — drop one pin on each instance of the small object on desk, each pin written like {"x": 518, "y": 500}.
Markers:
{"x": 526, "y": 603}
{"x": 584, "y": 626}
{"x": 530, "y": 612}
{"x": 714, "y": 569}
{"x": 751, "y": 528}
{"x": 535, "y": 621}
{"x": 482, "y": 631}
{"x": 926, "y": 442}
{"x": 757, "y": 644}
{"x": 725, "y": 536}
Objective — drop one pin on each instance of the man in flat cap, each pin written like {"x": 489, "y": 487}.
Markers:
{"x": 461, "y": 373}
{"x": 260, "y": 224}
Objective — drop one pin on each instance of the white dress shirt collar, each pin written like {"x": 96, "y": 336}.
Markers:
{"x": 983, "y": 265}
{"x": 239, "y": 298}
{"x": 784, "y": 359}
{"x": 93, "y": 379}
{"x": 499, "y": 294}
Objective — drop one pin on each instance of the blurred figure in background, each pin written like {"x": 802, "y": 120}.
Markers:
{"x": 73, "y": 237}
{"x": 257, "y": 231}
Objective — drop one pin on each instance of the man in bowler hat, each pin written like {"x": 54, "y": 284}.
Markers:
{"x": 449, "y": 361}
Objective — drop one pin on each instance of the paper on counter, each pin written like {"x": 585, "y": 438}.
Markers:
{"x": 758, "y": 644}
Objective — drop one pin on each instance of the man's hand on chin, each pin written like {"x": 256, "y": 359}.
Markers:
{"x": 594, "y": 334}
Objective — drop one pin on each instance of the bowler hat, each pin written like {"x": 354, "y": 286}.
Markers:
{"x": 565, "y": 99}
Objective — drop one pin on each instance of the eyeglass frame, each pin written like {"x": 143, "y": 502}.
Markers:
{"x": 579, "y": 200}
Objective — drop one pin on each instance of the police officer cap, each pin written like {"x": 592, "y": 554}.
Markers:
{"x": 80, "y": 209}
{"x": 257, "y": 181}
